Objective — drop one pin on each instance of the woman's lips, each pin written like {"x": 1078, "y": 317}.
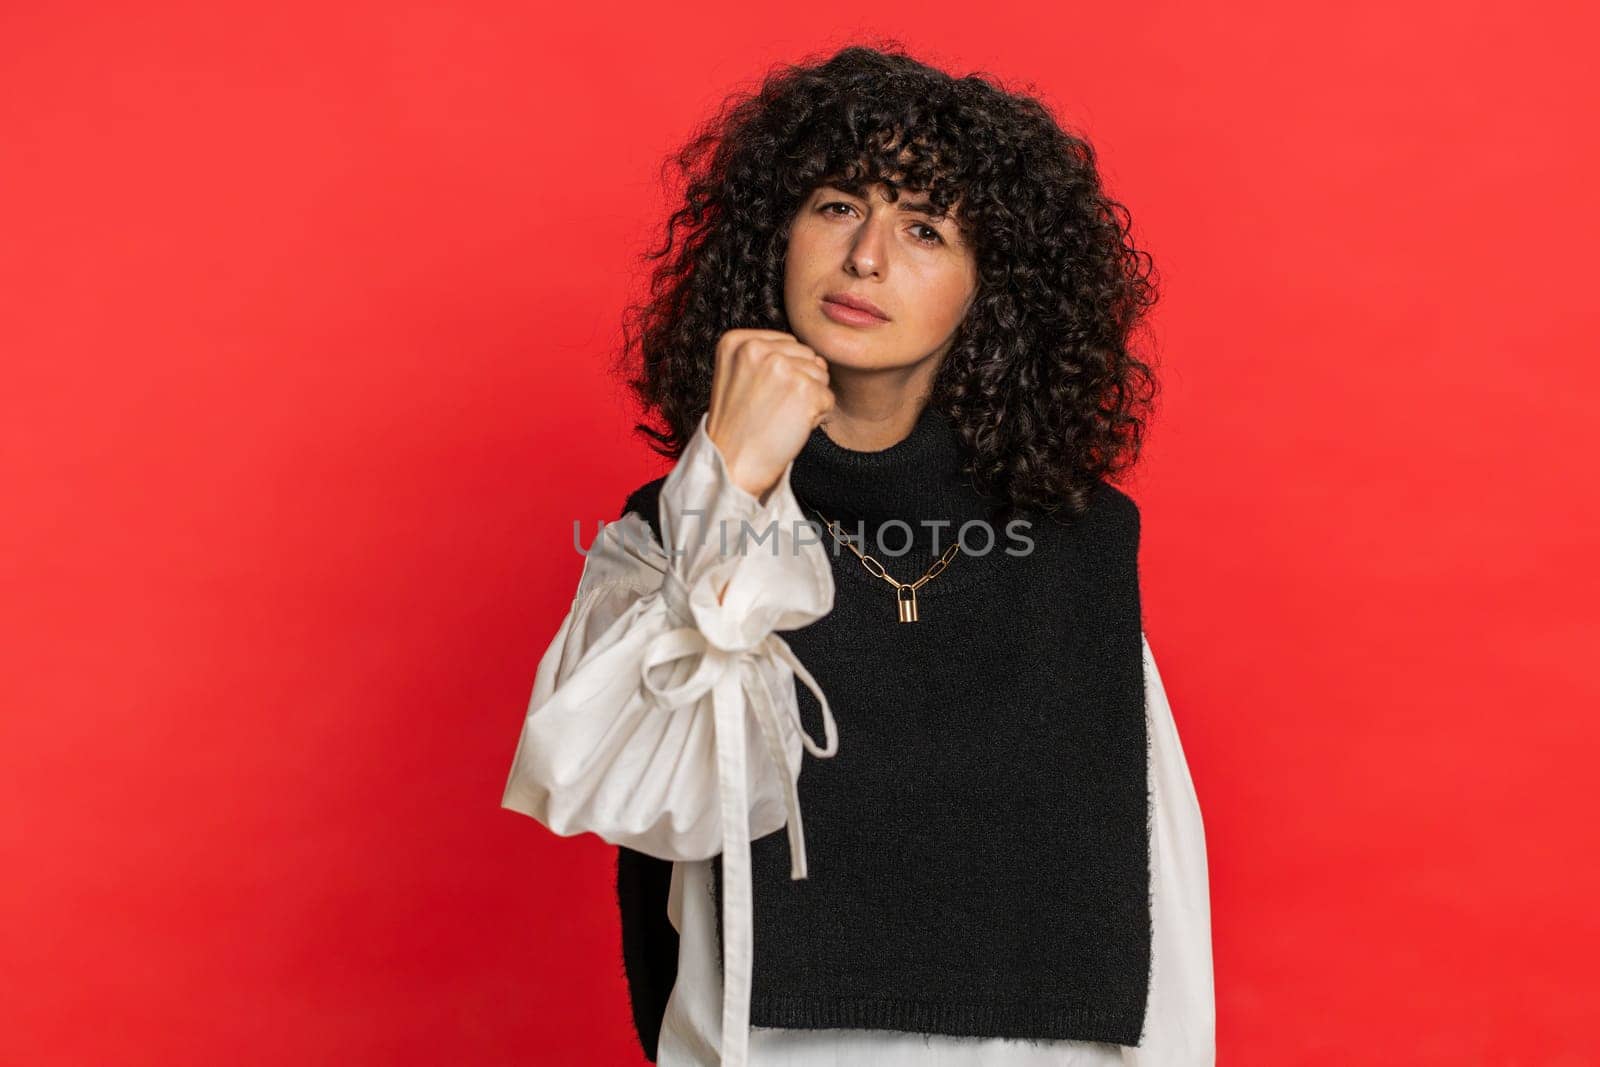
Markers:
{"x": 850, "y": 316}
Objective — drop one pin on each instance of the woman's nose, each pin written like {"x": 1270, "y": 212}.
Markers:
{"x": 867, "y": 253}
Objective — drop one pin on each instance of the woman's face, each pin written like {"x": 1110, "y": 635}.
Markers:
{"x": 914, "y": 268}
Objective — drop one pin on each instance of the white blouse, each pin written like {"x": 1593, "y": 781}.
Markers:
{"x": 638, "y": 731}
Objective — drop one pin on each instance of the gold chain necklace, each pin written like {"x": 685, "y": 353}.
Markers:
{"x": 905, "y": 593}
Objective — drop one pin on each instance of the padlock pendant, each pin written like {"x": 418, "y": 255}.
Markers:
{"x": 906, "y": 596}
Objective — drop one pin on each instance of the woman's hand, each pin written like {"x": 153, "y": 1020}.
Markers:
{"x": 768, "y": 392}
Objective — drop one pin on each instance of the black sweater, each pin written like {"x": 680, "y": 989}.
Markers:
{"x": 978, "y": 849}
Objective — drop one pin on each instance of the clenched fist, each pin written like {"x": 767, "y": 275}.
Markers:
{"x": 768, "y": 392}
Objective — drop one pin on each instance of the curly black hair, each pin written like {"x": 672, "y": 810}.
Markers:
{"x": 1040, "y": 378}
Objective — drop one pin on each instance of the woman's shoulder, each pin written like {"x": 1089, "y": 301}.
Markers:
{"x": 1109, "y": 520}
{"x": 1105, "y": 504}
{"x": 1119, "y": 514}
{"x": 1115, "y": 501}
{"x": 645, "y": 501}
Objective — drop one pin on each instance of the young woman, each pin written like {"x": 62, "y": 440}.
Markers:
{"x": 889, "y": 350}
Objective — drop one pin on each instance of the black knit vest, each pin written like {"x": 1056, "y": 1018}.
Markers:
{"x": 978, "y": 848}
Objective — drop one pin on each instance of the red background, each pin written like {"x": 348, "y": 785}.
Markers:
{"x": 306, "y": 312}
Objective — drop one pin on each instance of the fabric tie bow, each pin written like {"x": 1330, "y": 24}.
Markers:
{"x": 725, "y": 666}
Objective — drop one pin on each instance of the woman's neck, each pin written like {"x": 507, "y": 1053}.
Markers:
{"x": 876, "y": 408}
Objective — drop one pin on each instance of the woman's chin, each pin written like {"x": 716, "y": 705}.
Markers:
{"x": 845, "y": 351}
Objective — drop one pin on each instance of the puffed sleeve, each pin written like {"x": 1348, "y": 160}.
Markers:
{"x": 663, "y": 715}
{"x": 1180, "y": 1017}
{"x": 620, "y": 737}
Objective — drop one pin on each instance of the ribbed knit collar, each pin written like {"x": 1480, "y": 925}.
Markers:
{"x": 915, "y": 480}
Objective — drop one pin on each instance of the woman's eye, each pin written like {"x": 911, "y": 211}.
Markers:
{"x": 925, "y": 233}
